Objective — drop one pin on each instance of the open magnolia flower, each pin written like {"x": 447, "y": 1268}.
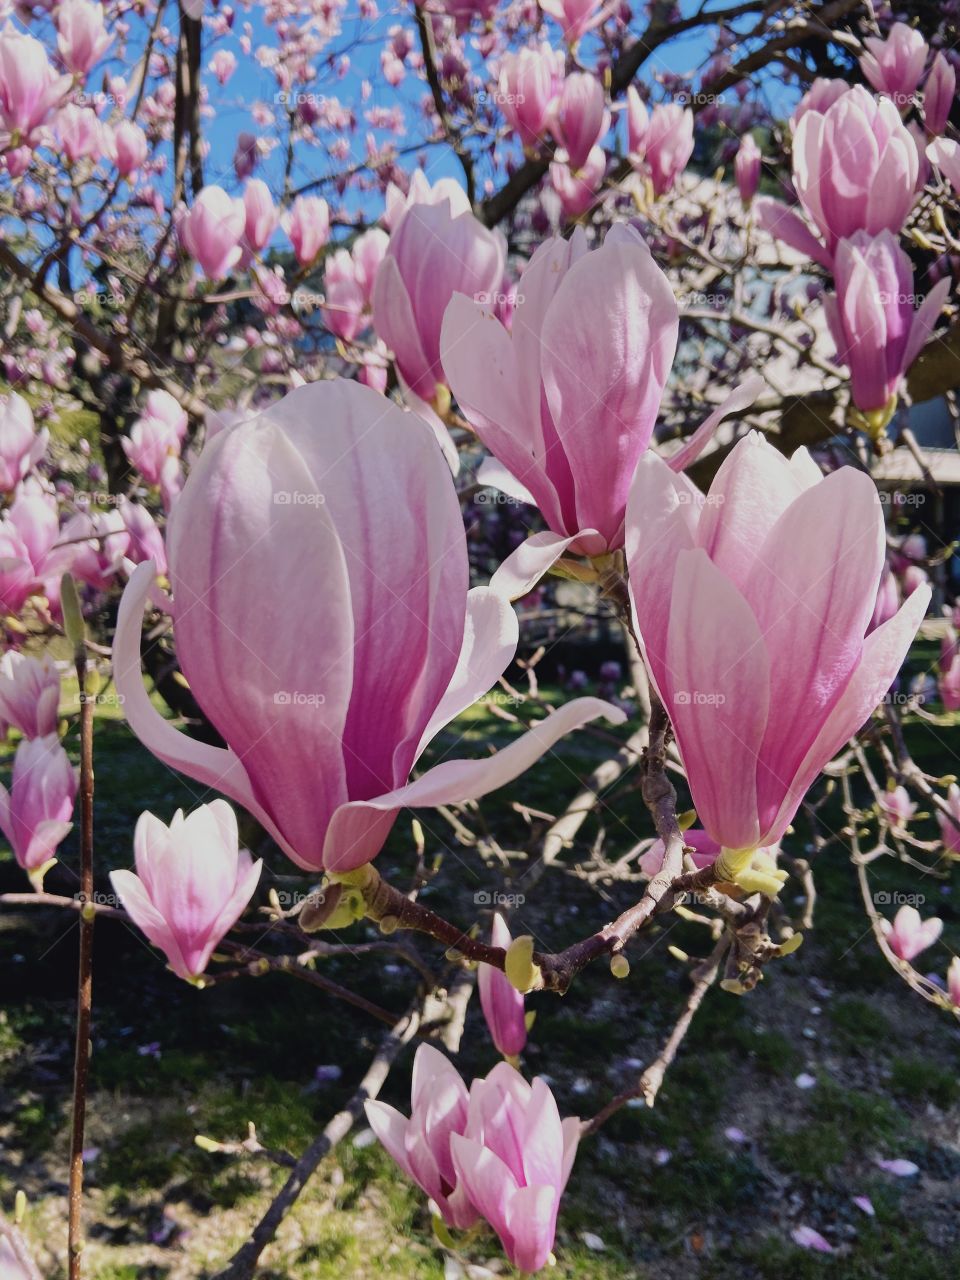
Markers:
{"x": 323, "y": 622}
{"x": 567, "y": 400}
{"x": 753, "y": 605}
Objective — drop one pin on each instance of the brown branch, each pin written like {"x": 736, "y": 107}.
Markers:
{"x": 244, "y": 1263}
{"x": 428, "y": 48}
{"x": 648, "y": 1086}
{"x": 85, "y": 977}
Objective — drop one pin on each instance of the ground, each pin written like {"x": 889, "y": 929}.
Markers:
{"x": 673, "y": 1192}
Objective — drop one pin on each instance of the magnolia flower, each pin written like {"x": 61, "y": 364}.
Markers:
{"x": 211, "y": 231}
{"x": 513, "y": 1161}
{"x": 433, "y": 254}
{"x": 21, "y": 445}
{"x": 192, "y": 883}
{"x": 898, "y": 807}
{"x": 577, "y": 189}
{"x": 945, "y": 154}
{"x": 894, "y": 66}
{"x": 529, "y": 82}
{"x": 576, "y": 17}
{"x": 747, "y": 168}
{"x": 128, "y": 146}
{"x": 261, "y": 215}
{"x": 421, "y": 1145}
{"x": 567, "y": 401}
{"x": 668, "y": 144}
{"x": 938, "y": 94}
{"x": 580, "y": 116}
{"x": 308, "y": 226}
{"x": 29, "y": 558}
{"x": 909, "y": 935}
{"x": 420, "y": 191}
{"x": 790, "y": 561}
{"x": 500, "y": 1000}
{"x": 82, "y": 39}
{"x": 953, "y": 981}
{"x": 35, "y": 813}
{"x": 97, "y": 542}
{"x": 29, "y": 693}
{"x": 877, "y": 331}
{"x": 950, "y": 830}
{"x": 30, "y": 89}
{"x": 855, "y": 167}
{"x": 282, "y": 523}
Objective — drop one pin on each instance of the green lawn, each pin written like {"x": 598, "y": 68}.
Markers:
{"x": 668, "y": 1193}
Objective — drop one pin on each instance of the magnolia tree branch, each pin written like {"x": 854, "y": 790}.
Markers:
{"x": 648, "y": 1085}
{"x": 85, "y": 975}
{"x": 244, "y": 1263}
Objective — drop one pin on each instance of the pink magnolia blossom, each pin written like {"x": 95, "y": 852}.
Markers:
{"x": 165, "y": 408}
{"x": 35, "y": 813}
{"x": 29, "y": 693}
{"x": 82, "y": 38}
{"x": 898, "y": 807}
{"x": 578, "y": 189}
{"x": 855, "y": 169}
{"x": 261, "y": 215}
{"x": 146, "y": 540}
{"x": 344, "y": 296}
{"x": 530, "y": 80}
{"x": 790, "y": 561}
{"x": 953, "y": 981}
{"x": 463, "y": 12}
{"x": 21, "y": 445}
{"x": 888, "y": 599}
{"x": 945, "y": 154}
{"x": 433, "y": 254}
{"x": 908, "y": 935}
{"x": 669, "y": 144}
{"x": 211, "y": 231}
{"x": 576, "y": 17}
{"x": 192, "y": 883}
{"x": 877, "y": 331}
{"x": 98, "y": 542}
{"x": 894, "y": 66}
{"x": 129, "y": 147}
{"x": 150, "y": 443}
{"x": 567, "y": 401}
{"x": 638, "y": 122}
{"x": 30, "y": 89}
{"x": 322, "y": 738}
{"x": 938, "y": 94}
{"x": 580, "y": 117}
{"x": 81, "y": 134}
{"x": 747, "y": 168}
{"x": 420, "y": 191}
{"x": 222, "y": 65}
{"x": 29, "y": 530}
{"x": 809, "y": 1238}
{"x": 308, "y": 226}
{"x": 421, "y": 1145}
{"x": 500, "y": 1000}
{"x": 950, "y": 827}
{"x": 821, "y": 95}
{"x": 514, "y": 1159}
{"x": 368, "y": 252}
